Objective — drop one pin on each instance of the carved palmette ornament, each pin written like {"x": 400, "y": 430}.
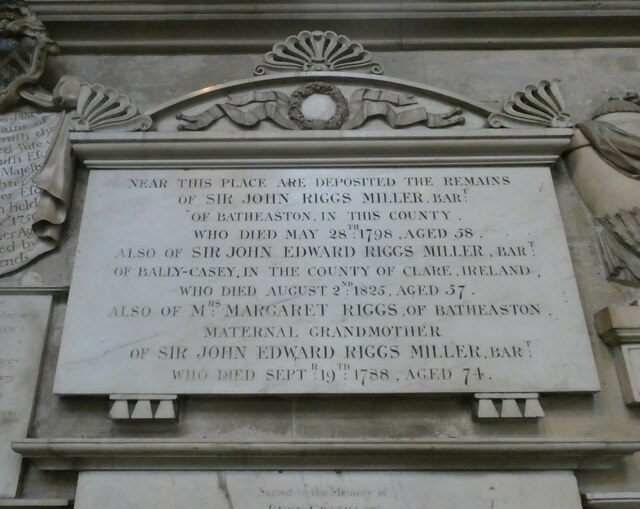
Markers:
{"x": 534, "y": 105}
{"x": 105, "y": 109}
{"x": 317, "y": 51}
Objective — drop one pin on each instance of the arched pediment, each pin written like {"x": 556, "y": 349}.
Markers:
{"x": 354, "y": 100}
{"x": 306, "y": 82}
{"x": 321, "y": 90}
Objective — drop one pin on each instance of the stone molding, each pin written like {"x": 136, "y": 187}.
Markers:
{"x": 397, "y": 454}
{"x": 619, "y": 327}
{"x": 612, "y": 500}
{"x": 104, "y": 26}
{"x": 619, "y": 324}
{"x": 242, "y": 8}
{"x": 291, "y": 149}
{"x": 33, "y": 503}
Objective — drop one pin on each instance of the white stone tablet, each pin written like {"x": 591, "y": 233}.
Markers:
{"x": 323, "y": 281}
{"x": 23, "y": 326}
{"x": 326, "y": 490}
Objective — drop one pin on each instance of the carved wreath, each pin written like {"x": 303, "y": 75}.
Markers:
{"x": 318, "y": 87}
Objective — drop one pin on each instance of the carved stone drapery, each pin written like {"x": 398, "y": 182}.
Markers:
{"x": 37, "y": 173}
{"x": 604, "y": 163}
{"x": 35, "y": 168}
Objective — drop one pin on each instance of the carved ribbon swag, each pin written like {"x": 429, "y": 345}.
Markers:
{"x": 249, "y": 109}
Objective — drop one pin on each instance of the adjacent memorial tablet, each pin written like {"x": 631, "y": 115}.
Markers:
{"x": 25, "y": 140}
{"x": 23, "y": 326}
{"x": 327, "y": 490}
{"x": 323, "y": 281}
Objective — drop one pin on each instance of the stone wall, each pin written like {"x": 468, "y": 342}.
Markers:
{"x": 589, "y": 76}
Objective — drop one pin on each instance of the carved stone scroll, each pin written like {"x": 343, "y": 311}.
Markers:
{"x": 534, "y": 105}
{"x": 36, "y": 162}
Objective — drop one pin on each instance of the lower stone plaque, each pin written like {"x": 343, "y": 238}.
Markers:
{"x": 326, "y": 490}
{"x": 323, "y": 281}
{"x": 23, "y": 326}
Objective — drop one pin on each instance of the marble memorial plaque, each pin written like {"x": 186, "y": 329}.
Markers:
{"x": 326, "y": 490}
{"x": 23, "y": 327}
{"x": 323, "y": 281}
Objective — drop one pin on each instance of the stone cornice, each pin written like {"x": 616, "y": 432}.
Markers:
{"x": 611, "y": 500}
{"x": 159, "y": 454}
{"x": 155, "y": 26}
{"x": 210, "y": 149}
{"x": 123, "y": 9}
{"x": 32, "y": 503}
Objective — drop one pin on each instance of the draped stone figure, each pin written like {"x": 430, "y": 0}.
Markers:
{"x": 603, "y": 160}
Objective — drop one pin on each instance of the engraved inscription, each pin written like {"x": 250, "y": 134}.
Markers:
{"x": 24, "y": 144}
{"x": 327, "y": 490}
{"x": 23, "y": 322}
{"x": 333, "y": 281}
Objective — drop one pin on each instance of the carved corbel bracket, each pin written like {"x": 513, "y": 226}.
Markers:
{"x": 619, "y": 327}
{"x": 143, "y": 407}
{"x": 507, "y": 405}
{"x": 534, "y": 105}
